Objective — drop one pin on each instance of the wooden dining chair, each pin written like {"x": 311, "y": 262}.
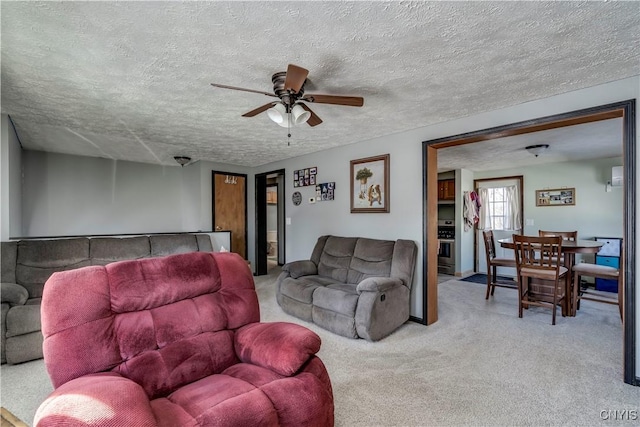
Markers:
{"x": 539, "y": 258}
{"x": 566, "y": 235}
{"x": 597, "y": 271}
{"x": 493, "y": 262}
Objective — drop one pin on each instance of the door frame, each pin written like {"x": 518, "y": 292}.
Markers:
{"x": 476, "y": 243}
{"x": 261, "y": 219}
{"x": 625, "y": 110}
{"x": 213, "y": 207}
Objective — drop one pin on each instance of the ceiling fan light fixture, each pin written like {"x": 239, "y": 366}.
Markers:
{"x": 278, "y": 113}
{"x": 299, "y": 114}
{"x": 537, "y": 149}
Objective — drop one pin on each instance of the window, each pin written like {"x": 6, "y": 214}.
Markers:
{"x": 500, "y": 208}
{"x": 497, "y": 202}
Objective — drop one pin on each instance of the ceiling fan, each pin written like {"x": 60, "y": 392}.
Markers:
{"x": 291, "y": 110}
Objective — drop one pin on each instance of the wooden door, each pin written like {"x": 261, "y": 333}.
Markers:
{"x": 230, "y": 208}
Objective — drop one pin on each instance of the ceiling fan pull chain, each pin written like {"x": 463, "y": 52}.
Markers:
{"x": 289, "y": 129}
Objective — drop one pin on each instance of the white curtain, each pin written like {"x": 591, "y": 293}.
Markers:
{"x": 512, "y": 219}
{"x": 485, "y": 213}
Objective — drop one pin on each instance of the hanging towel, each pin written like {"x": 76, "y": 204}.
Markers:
{"x": 471, "y": 209}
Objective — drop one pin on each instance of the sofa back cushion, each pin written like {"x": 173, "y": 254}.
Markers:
{"x": 8, "y": 254}
{"x": 371, "y": 258}
{"x": 204, "y": 243}
{"x": 336, "y": 257}
{"x": 38, "y": 259}
{"x": 162, "y": 322}
{"x": 104, "y": 250}
{"x": 404, "y": 261}
{"x": 168, "y": 244}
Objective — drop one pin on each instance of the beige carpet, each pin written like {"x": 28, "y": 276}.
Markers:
{"x": 478, "y": 365}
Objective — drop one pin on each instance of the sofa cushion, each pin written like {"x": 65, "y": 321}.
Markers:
{"x": 341, "y": 298}
{"x": 256, "y": 344}
{"x": 224, "y": 400}
{"x": 8, "y": 254}
{"x": 37, "y": 260}
{"x": 107, "y": 249}
{"x": 301, "y": 268}
{"x": 22, "y": 320}
{"x": 371, "y": 258}
{"x": 168, "y": 244}
{"x": 336, "y": 257}
{"x": 204, "y": 243}
{"x": 13, "y": 294}
{"x": 302, "y": 288}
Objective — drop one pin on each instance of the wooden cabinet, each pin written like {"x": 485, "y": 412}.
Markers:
{"x": 447, "y": 189}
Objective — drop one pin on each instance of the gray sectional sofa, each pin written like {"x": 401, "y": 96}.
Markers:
{"x": 352, "y": 286}
{"x": 27, "y": 264}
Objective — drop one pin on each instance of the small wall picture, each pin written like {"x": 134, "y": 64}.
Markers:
{"x": 325, "y": 191}
{"x": 556, "y": 197}
{"x": 305, "y": 177}
{"x": 370, "y": 184}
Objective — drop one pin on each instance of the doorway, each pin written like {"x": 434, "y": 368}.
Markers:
{"x": 624, "y": 110}
{"x": 270, "y": 221}
{"x": 495, "y": 199}
{"x": 229, "y": 208}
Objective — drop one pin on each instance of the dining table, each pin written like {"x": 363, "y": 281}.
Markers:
{"x": 569, "y": 249}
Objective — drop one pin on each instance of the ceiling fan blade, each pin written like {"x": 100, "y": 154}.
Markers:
{"x": 242, "y": 89}
{"x": 295, "y": 78}
{"x": 259, "y": 110}
{"x": 314, "y": 120}
{"x": 351, "y": 101}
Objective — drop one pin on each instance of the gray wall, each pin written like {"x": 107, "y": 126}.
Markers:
{"x": 10, "y": 181}
{"x": 72, "y": 195}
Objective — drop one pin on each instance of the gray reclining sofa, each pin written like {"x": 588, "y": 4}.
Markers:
{"x": 355, "y": 287}
{"x": 27, "y": 264}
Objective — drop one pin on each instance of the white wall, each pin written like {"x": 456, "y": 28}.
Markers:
{"x": 72, "y": 195}
{"x": 10, "y": 180}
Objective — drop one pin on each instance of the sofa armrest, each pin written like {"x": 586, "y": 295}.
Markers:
{"x": 279, "y": 346}
{"x": 378, "y": 284}
{"x": 300, "y": 268}
{"x": 13, "y": 294}
{"x": 104, "y": 399}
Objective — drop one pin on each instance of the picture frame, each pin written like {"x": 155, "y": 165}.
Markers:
{"x": 305, "y": 177}
{"x": 370, "y": 184}
{"x": 324, "y": 191}
{"x": 556, "y": 197}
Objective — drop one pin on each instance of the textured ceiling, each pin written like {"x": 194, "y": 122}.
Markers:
{"x": 130, "y": 80}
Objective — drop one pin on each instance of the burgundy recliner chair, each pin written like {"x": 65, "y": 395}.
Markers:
{"x": 175, "y": 341}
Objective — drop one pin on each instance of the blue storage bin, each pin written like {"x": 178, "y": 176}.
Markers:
{"x": 606, "y": 285}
